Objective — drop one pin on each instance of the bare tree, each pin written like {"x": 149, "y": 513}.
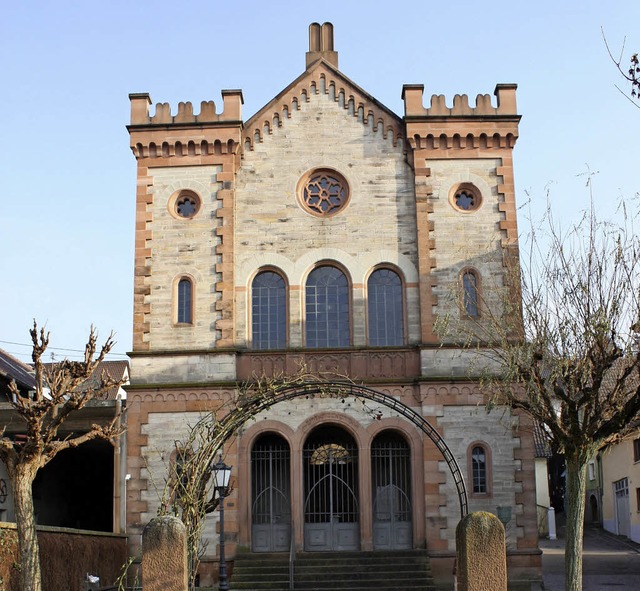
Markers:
{"x": 631, "y": 72}
{"x": 566, "y": 351}
{"x": 61, "y": 390}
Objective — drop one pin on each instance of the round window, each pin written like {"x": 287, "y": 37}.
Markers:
{"x": 323, "y": 192}
{"x": 184, "y": 204}
{"x": 465, "y": 197}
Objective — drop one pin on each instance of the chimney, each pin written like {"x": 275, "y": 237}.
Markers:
{"x": 321, "y": 44}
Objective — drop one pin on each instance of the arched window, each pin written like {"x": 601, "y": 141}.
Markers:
{"x": 470, "y": 294}
{"x": 479, "y": 470}
{"x": 268, "y": 311}
{"x": 385, "y": 309}
{"x": 185, "y": 301}
{"x": 327, "y": 308}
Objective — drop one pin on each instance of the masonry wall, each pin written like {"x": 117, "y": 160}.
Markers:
{"x": 186, "y": 248}
{"x": 377, "y": 226}
{"x": 462, "y": 426}
{"x": 466, "y": 239}
{"x": 162, "y": 431}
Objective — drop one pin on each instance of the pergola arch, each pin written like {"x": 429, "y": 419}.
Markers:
{"x": 251, "y": 404}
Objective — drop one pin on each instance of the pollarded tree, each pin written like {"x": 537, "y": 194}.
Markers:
{"x": 61, "y": 390}
{"x": 565, "y": 349}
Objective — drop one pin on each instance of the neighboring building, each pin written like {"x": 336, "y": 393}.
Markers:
{"x": 328, "y": 231}
{"x": 11, "y": 369}
{"x": 621, "y": 487}
{"x": 81, "y": 487}
{"x": 543, "y": 498}
{"x": 593, "y": 494}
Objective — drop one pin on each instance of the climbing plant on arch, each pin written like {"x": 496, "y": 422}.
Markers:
{"x": 188, "y": 484}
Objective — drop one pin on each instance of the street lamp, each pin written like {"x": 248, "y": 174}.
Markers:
{"x": 221, "y": 476}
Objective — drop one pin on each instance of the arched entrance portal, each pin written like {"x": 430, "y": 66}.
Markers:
{"x": 331, "y": 505}
{"x": 260, "y": 397}
{"x": 256, "y": 401}
{"x": 391, "y": 489}
{"x": 270, "y": 495}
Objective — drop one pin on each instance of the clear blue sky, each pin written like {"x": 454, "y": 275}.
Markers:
{"x": 67, "y": 67}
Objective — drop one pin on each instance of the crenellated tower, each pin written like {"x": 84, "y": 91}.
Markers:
{"x": 210, "y": 141}
{"x": 455, "y": 143}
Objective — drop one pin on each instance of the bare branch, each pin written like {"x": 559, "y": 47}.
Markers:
{"x": 631, "y": 73}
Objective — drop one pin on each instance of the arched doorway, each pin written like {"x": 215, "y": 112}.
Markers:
{"x": 391, "y": 490}
{"x": 331, "y": 504}
{"x": 258, "y": 400}
{"x": 270, "y": 494}
{"x": 595, "y": 513}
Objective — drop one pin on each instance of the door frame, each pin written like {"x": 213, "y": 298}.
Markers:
{"x": 363, "y": 436}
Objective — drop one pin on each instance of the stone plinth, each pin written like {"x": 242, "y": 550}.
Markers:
{"x": 164, "y": 555}
{"x": 481, "y": 553}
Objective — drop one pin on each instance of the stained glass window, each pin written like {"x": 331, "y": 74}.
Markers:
{"x": 385, "y": 309}
{"x": 470, "y": 293}
{"x": 268, "y": 311}
{"x": 327, "y": 308}
{"x": 184, "y": 301}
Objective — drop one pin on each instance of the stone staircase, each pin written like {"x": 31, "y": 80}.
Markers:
{"x": 407, "y": 570}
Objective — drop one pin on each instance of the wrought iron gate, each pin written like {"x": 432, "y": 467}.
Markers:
{"x": 391, "y": 487}
{"x": 331, "y": 512}
{"x": 271, "y": 498}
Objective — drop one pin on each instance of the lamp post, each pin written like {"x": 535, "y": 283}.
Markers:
{"x": 221, "y": 476}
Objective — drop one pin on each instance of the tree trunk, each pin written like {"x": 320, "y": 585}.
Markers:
{"x": 21, "y": 481}
{"x": 576, "y": 488}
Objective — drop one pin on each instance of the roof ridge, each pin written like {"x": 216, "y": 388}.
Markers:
{"x": 25, "y": 366}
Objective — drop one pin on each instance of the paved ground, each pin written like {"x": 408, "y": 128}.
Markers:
{"x": 610, "y": 563}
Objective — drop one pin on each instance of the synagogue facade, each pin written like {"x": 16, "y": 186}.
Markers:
{"x": 328, "y": 233}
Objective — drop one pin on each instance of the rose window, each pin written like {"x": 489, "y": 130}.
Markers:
{"x": 324, "y": 192}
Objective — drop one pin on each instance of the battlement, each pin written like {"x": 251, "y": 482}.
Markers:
{"x": 232, "y": 110}
{"x": 412, "y": 94}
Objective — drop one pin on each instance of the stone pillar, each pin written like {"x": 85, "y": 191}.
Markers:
{"x": 481, "y": 553}
{"x": 164, "y": 555}
{"x": 551, "y": 516}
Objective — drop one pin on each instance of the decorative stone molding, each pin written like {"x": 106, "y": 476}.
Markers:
{"x": 140, "y": 103}
{"x": 461, "y": 127}
{"x": 192, "y": 136}
{"x": 412, "y": 94}
{"x": 322, "y": 78}
{"x": 368, "y": 365}
{"x": 142, "y": 260}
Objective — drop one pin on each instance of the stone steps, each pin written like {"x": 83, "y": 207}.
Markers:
{"x": 328, "y": 571}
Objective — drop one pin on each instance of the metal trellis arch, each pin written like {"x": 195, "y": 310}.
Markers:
{"x": 251, "y": 405}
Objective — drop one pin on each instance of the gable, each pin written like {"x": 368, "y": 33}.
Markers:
{"x": 322, "y": 78}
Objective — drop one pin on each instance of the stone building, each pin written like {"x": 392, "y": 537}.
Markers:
{"x": 328, "y": 231}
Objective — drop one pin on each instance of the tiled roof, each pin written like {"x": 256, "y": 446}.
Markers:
{"x": 117, "y": 370}
{"x": 541, "y": 442}
{"x": 14, "y": 369}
